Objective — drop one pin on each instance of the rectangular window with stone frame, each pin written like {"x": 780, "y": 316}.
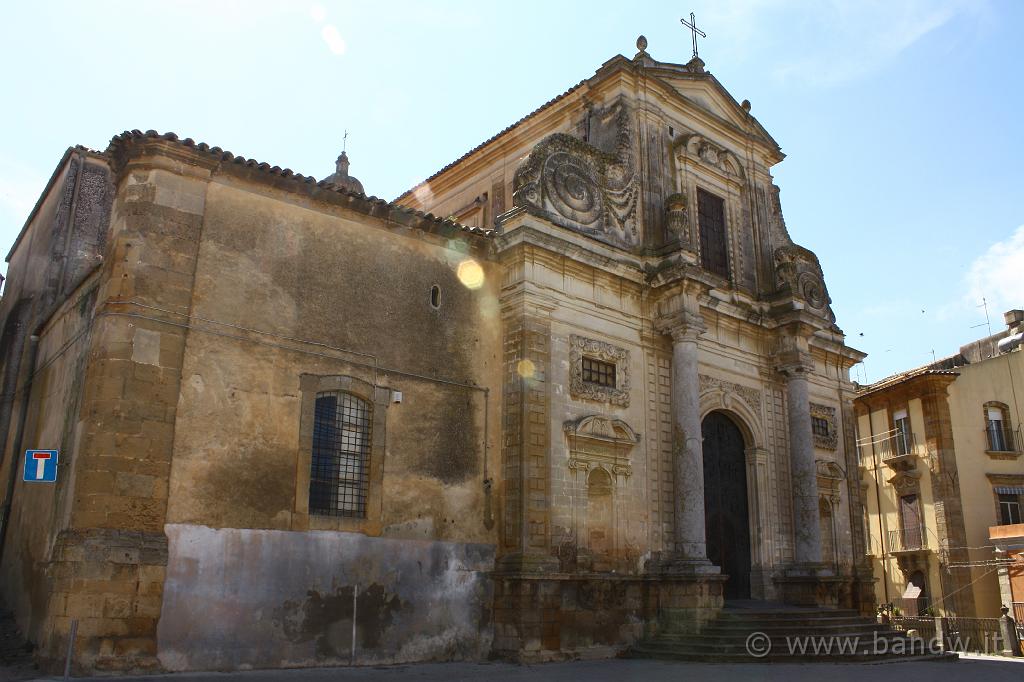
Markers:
{"x": 714, "y": 251}
{"x": 341, "y": 452}
{"x": 339, "y": 473}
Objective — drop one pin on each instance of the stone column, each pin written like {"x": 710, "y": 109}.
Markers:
{"x": 804, "y": 475}
{"x": 687, "y": 450}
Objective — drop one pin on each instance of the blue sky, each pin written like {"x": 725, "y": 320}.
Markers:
{"x": 901, "y": 120}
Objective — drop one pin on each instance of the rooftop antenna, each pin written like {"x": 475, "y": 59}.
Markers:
{"x": 988, "y": 322}
{"x": 692, "y": 25}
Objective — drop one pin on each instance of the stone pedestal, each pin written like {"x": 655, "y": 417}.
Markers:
{"x": 570, "y": 616}
{"x": 809, "y": 585}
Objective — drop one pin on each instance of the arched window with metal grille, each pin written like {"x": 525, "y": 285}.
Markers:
{"x": 339, "y": 478}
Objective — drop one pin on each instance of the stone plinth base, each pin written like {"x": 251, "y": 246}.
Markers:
{"x": 568, "y": 616}
{"x": 810, "y": 585}
{"x": 111, "y": 582}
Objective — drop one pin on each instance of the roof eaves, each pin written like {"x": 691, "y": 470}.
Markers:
{"x": 373, "y": 204}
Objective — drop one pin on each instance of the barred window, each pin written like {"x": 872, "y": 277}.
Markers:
{"x": 714, "y": 254}
{"x": 598, "y": 372}
{"x": 339, "y": 475}
{"x": 819, "y": 426}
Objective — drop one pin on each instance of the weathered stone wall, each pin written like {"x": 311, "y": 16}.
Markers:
{"x": 285, "y": 599}
{"x": 289, "y": 291}
{"x": 108, "y": 567}
{"x": 51, "y": 294}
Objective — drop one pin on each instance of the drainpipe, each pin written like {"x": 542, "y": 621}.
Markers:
{"x": 33, "y": 348}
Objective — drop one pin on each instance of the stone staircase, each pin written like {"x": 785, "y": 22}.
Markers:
{"x": 741, "y": 634}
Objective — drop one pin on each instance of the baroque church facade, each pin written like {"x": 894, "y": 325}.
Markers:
{"x": 603, "y": 395}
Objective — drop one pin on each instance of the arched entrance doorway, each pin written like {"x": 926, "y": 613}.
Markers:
{"x": 725, "y": 502}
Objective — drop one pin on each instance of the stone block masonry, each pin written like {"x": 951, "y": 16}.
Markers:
{"x": 108, "y": 568}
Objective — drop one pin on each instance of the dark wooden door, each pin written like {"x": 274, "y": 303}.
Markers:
{"x": 725, "y": 502}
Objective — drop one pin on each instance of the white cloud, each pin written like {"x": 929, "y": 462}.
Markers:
{"x": 996, "y": 275}
{"x": 318, "y": 12}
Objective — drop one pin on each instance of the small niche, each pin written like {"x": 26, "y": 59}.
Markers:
{"x": 435, "y": 297}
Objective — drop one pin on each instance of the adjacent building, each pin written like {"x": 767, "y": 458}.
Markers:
{"x": 298, "y": 425}
{"x": 942, "y": 473}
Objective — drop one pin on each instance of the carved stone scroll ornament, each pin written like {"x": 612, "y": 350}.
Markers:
{"x": 798, "y": 273}
{"x": 578, "y": 186}
{"x": 580, "y": 347}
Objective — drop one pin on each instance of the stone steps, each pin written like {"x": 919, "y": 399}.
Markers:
{"x": 841, "y": 636}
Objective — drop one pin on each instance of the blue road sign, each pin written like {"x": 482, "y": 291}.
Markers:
{"x": 40, "y": 466}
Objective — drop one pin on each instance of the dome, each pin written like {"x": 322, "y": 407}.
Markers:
{"x": 342, "y": 179}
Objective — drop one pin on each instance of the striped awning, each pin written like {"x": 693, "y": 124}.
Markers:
{"x": 1010, "y": 489}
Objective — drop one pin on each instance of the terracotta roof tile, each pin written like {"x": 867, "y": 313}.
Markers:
{"x": 396, "y": 210}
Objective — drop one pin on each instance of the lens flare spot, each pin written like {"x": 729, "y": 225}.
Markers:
{"x": 526, "y": 369}
{"x": 470, "y": 274}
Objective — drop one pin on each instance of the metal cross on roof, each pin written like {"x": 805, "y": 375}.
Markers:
{"x": 344, "y": 141}
{"x": 692, "y": 25}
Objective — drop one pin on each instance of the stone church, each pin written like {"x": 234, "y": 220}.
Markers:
{"x": 576, "y": 388}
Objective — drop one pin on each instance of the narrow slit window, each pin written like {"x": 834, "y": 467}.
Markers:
{"x": 435, "y": 296}
{"x": 339, "y": 475}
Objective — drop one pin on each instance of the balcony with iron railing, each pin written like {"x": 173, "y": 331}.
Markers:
{"x": 1001, "y": 439}
{"x": 902, "y": 540}
{"x": 899, "y": 448}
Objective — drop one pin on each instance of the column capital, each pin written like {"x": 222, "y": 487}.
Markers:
{"x": 681, "y": 326}
{"x": 794, "y": 364}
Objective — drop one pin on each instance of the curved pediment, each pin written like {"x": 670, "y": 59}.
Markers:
{"x": 829, "y": 470}
{"x": 698, "y": 148}
{"x": 601, "y": 428}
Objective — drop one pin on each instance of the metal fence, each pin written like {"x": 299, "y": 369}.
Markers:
{"x": 924, "y": 625}
{"x": 974, "y": 634}
{"x": 904, "y": 539}
{"x": 1002, "y": 438}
